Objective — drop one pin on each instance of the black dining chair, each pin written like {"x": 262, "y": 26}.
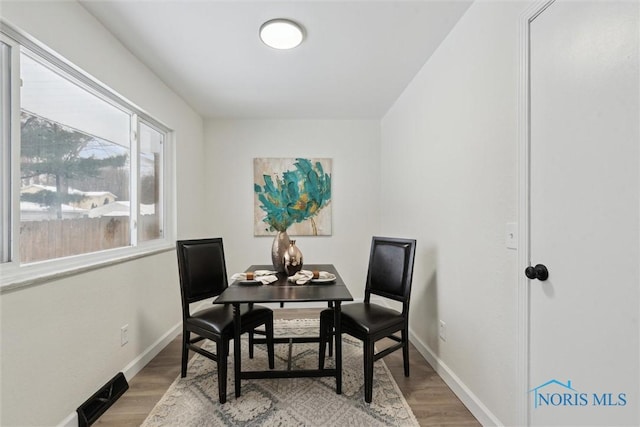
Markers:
{"x": 203, "y": 274}
{"x": 389, "y": 276}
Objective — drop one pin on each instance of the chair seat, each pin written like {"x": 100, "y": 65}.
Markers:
{"x": 366, "y": 318}
{"x": 219, "y": 318}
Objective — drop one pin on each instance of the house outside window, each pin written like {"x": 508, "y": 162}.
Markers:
{"x": 84, "y": 171}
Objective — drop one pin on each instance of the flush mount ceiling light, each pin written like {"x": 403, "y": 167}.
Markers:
{"x": 281, "y": 33}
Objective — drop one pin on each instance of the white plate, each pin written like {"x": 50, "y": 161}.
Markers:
{"x": 331, "y": 278}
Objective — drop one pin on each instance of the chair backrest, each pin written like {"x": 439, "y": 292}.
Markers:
{"x": 391, "y": 269}
{"x": 202, "y": 269}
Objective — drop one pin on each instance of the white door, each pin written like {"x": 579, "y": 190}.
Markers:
{"x": 584, "y": 214}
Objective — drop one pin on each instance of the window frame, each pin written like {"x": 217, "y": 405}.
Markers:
{"x": 13, "y": 273}
{"x": 6, "y": 108}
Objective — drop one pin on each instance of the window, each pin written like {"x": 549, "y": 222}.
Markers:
{"x": 83, "y": 170}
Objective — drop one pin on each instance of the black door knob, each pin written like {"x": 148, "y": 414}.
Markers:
{"x": 539, "y": 272}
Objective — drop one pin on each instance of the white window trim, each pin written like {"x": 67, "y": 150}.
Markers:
{"x": 12, "y": 274}
{"x": 8, "y": 153}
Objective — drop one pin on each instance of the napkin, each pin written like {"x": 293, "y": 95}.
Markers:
{"x": 304, "y": 276}
{"x": 265, "y": 280}
{"x": 263, "y": 276}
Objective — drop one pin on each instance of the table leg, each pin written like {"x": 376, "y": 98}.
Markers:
{"x": 237, "y": 366}
{"x": 338, "y": 346}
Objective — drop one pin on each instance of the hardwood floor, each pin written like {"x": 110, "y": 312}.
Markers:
{"x": 432, "y": 402}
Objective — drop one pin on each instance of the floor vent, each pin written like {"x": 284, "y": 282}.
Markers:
{"x": 97, "y": 404}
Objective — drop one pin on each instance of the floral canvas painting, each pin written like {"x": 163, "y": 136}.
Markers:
{"x": 292, "y": 195}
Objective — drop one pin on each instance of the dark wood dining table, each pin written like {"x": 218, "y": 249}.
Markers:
{"x": 284, "y": 291}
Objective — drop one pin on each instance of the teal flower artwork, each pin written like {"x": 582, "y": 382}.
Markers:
{"x": 292, "y": 195}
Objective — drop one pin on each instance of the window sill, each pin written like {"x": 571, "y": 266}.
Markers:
{"x": 17, "y": 277}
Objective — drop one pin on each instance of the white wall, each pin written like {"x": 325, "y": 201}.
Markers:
{"x": 353, "y": 145}
{"x": 61, "y": 340}
{"x": 450, "y": 180}
{"x": 439, "y": 167}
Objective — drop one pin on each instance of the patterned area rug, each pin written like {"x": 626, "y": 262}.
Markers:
{"x": 193, "y": 401}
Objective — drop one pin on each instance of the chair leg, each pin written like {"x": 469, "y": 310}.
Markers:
{"x": 329, "y": 332}
{"x": 223, "y": 353}
{"x": 250, "y": 344}
{"x": 368, "y": 353}
{"x": 323, "y": 344}
{"x": 186, "y": 336}
{"x": 330, "y": 305}
{"x": 405, "y": 351}
{"x": 270, "y": 351}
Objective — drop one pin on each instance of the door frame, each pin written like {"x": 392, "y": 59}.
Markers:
{"x": 524, "y": 208}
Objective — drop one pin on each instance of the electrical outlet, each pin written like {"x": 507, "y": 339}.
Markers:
{"x": 124, "y": 335}
{"x": 443, "y": 331}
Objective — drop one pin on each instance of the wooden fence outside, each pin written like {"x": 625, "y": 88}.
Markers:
{"x": 42, "y": 240}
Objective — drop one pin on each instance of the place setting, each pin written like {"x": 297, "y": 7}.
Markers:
{"x": 258, "y": 277}
{"x": 304, "y": 277}
{"x": 267, "y": 277}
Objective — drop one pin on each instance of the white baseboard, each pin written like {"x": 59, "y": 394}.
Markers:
{"x": 468, "y": 398}
{"x": 152, "y": 351}
{"x": 135, "y": 365}
{"x": 70, "y": 421}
